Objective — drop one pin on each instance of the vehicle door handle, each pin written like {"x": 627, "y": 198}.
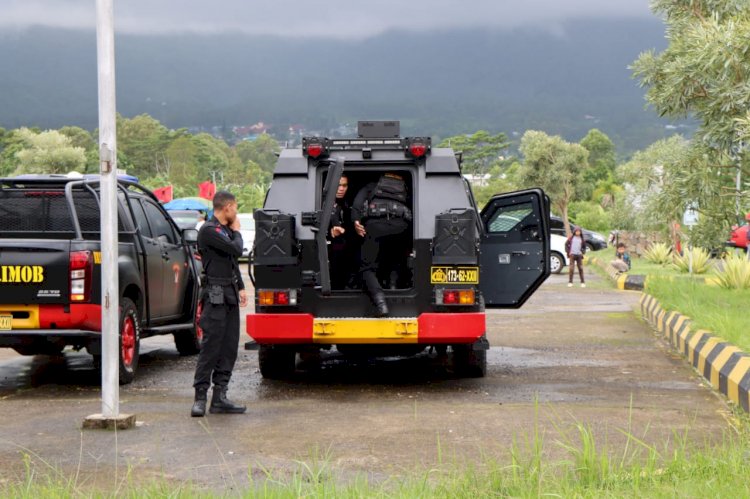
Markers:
{"x": 165, "y": 255}
{"x": 520, "y": 253}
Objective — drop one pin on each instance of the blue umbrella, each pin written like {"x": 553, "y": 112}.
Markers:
{"x": 187, "y": 204}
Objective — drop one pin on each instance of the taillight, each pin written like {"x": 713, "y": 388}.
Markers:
{"x": 455, "y": 297}
{"x": 81, "y": 275}
{"x": 279, "y": 297}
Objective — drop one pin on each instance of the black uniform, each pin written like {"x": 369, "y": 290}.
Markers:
{"x": 341, "y": 255}
{"x": 220, "y": 247}
{"x": 381, "y": 208}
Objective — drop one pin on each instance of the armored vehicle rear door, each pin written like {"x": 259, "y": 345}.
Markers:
{"x": 514, "y": 258}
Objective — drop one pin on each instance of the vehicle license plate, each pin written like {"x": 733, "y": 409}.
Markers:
{"x": 454, "y": 275}
{"x": 6, "y": 322}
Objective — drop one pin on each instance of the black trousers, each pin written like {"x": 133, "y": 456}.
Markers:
{"x": 221, "y": 337}
{"x": 382, "y": 237}
{"x": 575, "y": 260}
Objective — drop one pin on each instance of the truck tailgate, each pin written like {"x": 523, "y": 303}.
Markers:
{"x": 34, "y": 271}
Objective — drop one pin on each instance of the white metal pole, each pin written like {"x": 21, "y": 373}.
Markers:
{"x": 105, "y": 45}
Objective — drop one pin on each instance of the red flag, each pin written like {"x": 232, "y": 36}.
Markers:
{"x": 164, "y": 194}
{"x": 206, "y": 189}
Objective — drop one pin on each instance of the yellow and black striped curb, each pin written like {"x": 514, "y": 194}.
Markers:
{"x": 724, "y": 365}
{"x": 623, "y": 280}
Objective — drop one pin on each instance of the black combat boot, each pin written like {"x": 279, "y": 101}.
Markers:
{"x": 199, "y": 406}
{"x": 220, "y": 404}
{"x": 381, "y": 309}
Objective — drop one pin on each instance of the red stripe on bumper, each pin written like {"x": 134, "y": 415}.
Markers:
{"x": 81, "y": 316}
{"x": 451, "y": 328}
{"x": 280, "y": 328}
{"x": 433, "y": 328}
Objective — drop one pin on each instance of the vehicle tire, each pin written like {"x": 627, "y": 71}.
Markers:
{"x": 276, "y": 362}
{"x": 469, "y": 363}
{"x": 130, "y": 342}
{"x": 556, "y": 262}
{"x": 590, "y": 247}
{"x": 188, "y": 342}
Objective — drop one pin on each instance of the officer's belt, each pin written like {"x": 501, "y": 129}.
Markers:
{"x": 221, "y": 281}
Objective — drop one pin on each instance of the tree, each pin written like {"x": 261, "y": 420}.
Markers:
{"x": 82, "y": 138}
{"x": 705, "y": 73}
{"x": 181, "y": 165}
{"x": 143, "y": 140}
{"x": 261, "y": 151}
{"x": 480, "y": 151}
{"x": 554, "y": 165}
{"x": 212, "y": 158}
{"x": 48, "y": 152}
{"x": 602, "y": 161}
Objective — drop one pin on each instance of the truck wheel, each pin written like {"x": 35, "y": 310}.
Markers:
{"x": 276, "y": 362}
{"x": 188, "y": 342}
{"x": 469, "y": 363}
{"x": 130, "y": 341}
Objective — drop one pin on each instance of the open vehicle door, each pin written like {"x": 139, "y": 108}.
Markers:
{"x": 515, "y": 254}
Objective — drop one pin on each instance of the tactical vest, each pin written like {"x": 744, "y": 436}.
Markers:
{"x": 388, "y": 199}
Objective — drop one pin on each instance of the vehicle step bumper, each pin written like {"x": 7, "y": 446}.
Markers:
{"x": 428, "y": 328}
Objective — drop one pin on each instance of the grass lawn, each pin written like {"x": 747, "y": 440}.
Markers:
{"x": 592, "y": 469}
{"x": 722, "y": 311}
{"x": 642, "y": 266}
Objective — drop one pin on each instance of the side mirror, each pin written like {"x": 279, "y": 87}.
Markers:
{"x": 190, "y": 235}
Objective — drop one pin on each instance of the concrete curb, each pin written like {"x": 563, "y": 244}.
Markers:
{"x": 722, "y": 364}
{"x": 622, "y": 280}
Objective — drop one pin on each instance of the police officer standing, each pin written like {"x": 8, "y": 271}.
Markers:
{"x": 220, "y": 245}
{"x": 381, "y": 217}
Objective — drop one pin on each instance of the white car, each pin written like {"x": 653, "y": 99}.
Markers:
{"x": 247, "y": 229}
{"x": 558, "y": 257}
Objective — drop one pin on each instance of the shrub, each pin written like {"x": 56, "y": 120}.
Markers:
{"x": 735, "y": 272}
{"x": 701, "y": 260}
{"x": 659, "y": 253}
{"x": 590, "y": 216}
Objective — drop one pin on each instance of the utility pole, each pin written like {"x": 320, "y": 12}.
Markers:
{"x": 110, "y": 416}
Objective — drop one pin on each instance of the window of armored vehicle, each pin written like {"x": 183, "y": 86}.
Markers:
{"x": 160, "y": 226}
{"x": 509, "y": 218}
{"x": 140, "y": 218}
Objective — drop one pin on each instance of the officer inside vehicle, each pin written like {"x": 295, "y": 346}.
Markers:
{"x": 341, "y": 239}
{"x": 381, "y": 217}
{"x": 220, "y": 245}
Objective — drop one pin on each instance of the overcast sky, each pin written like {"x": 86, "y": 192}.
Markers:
{"x": 337, "y": 18}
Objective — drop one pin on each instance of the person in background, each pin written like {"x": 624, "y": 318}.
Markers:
{"x": 621, "y": 263}
{"x": 575, "y": 247}
{"x": 201, "y": 221}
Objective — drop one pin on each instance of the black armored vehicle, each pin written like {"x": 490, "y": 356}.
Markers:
{"x": 454, "y": 259}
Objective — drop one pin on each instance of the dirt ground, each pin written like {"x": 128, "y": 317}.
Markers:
{"x": 570, "y": 356}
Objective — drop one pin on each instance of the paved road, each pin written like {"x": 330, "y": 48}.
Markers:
{"x": 570, "y": 356}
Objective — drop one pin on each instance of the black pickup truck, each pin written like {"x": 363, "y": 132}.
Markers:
{"x": 50, "y": 269}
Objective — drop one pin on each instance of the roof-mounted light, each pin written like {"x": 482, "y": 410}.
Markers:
{"x": 417, "y": 147}
{"x": 314, "y": 147}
